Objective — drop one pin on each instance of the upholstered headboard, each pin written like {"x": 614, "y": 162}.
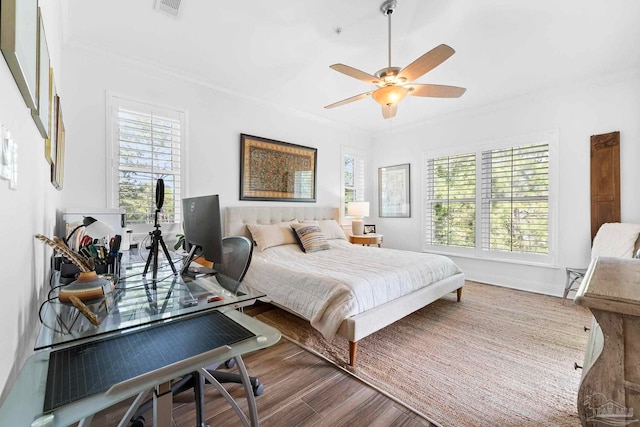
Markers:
{"x": 237, "y": 217}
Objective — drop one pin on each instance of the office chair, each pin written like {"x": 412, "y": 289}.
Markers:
{"x": 238, "y": 251}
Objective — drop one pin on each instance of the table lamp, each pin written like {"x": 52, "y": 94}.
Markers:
{"x": 93, "y": 228}
{"x": 358, "y": 210}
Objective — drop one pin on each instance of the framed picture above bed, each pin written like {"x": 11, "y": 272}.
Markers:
{"x": 394, "y": 191}
{"x": 276, "y": 171}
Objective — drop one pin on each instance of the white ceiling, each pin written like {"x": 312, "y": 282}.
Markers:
{"x": 280, "y": 52}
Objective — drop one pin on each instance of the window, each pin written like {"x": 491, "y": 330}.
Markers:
{"x": 515, "y": 199}
{"x": 493, "y": 202}
{"x": 451, "y": 200}
{"x": 146, "y": 146}
{"x": 353, "y": 174}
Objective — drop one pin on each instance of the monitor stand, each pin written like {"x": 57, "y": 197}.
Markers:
{"x": 195, "y": 271}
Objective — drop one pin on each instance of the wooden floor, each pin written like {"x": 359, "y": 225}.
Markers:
{"x": 301, "y": 389}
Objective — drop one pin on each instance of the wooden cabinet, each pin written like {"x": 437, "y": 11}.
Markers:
{"x": 609, "y": 391}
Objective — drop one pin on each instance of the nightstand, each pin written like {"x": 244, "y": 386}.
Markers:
{"x": 366, "y": 239}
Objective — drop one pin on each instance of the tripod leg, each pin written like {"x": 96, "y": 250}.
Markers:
{"x": 146, "y": 266}
{"x": 166, "y": 254}
{"x": 155, "y": 259}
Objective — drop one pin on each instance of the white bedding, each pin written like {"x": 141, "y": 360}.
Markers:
{"x": 329, "y": 286}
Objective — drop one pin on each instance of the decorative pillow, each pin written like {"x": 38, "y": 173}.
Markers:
{"x": 310, "y": 237}
{"x": 329, "y": 227}
{"x": 269, "y": 235}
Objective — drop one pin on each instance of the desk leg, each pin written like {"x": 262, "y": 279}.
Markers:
{"x": 162, "y": 403}
{"x": 248, "y": 390}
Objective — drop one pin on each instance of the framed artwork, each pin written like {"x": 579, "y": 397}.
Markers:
{"x": 276, "y": 171}
{"x": 19, "y": 45}
{"x": 43, "y": 99}
{"x": 394, "y": 191}
{"x": 369, "y": 229}
{"x": 57, "y": 168}
{"x": 50, "y": 143}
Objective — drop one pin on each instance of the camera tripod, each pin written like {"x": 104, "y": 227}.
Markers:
{"x": 156, "y": 241}
{"x": 156, "y": 237}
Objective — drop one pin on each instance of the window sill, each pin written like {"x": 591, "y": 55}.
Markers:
{"x": 541, "y": 264}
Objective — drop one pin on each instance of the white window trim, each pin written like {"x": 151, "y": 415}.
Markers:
{"x": 550, "y": 259}
{"x": 350, "y": 151}
{"x": 140, "y": 230}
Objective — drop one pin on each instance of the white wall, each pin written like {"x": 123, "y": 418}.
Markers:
{"x": 577, "y": 112}
{"x": 215, "y": 121}
{"x": 31, "y": 209}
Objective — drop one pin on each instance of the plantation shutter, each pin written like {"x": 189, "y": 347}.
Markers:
{"x": 515, "y": 199}
{"x": 450, "y": 200}
{"x": 354, "y": 178}
{"x": 147, "y": 147}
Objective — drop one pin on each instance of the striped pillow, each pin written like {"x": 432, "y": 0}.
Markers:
{"x": 310, "y": 237}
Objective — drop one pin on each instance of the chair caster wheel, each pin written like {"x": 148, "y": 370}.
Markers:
{"x": 258, "y": 388}
{"x": 230, "y": 363}
{"x": 138, "y": 422}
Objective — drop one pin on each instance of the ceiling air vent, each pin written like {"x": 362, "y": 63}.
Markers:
{"x": 170, "y": 7}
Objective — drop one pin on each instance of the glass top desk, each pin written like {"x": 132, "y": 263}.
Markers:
{"x": 139, "y": 305}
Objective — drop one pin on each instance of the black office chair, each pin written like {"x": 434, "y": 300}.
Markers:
{"x": 237, "y": 256}
{"x": 238, "y": 251}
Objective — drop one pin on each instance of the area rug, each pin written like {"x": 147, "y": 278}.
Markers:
{"x": 500, "y": 357}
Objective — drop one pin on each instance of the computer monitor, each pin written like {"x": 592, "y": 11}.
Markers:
{"x": 202, "y": 231}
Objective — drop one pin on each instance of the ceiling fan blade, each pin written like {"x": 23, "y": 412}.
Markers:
{"x": 435, "y": 91}
{"x": 355, "y": 73}
{"x": 426, "y": 62}
{"x": 389, "y": 111}
{"x": 348, "y": 100}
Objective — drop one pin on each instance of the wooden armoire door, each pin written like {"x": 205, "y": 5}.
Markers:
{"x": 605, "y": 180}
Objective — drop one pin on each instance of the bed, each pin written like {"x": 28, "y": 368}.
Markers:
{"x": 348, "y": 290}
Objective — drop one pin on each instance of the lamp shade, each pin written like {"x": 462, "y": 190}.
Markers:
{"x": 96, "y": 228}
{"x": 358, "y": 209}
{"x": 93, "y": 228}
{"x": 389, "y": 94}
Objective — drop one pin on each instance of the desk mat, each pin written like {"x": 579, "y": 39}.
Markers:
{"x": 86, "y": 369}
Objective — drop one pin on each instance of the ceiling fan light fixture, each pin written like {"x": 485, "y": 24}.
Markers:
{"x": 394, "y": 83}
{"x": 390, "y": 94}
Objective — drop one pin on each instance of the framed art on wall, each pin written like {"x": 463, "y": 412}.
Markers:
{"x": 19, "y": 45}
{"x": 57, "y": 168}
{"x": 50, "y": 143}
{"x": 394, "y": 191}
{"x": 43, "y": 99}
{"x": 276, "y": 171}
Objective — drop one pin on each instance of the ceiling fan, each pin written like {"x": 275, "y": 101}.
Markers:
{"x": 394, "y": 83}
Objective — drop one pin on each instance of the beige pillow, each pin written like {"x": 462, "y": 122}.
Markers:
{"x": 330, "y": 228}
{"x": 269, "y": 235}
{"x": 310, "y": 237}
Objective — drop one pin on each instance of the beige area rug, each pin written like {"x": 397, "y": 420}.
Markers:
{"x": 500, "y": 357}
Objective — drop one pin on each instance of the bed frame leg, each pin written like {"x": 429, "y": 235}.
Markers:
{"x": 459, "y": 293}
{"x": 353, "y": 350}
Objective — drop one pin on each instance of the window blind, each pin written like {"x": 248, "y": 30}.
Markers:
{"x": 354, "y": 179}
{"x": 450, "y": 200}
{"x": 147, "y": 146}
{"x": 515, "y": 199}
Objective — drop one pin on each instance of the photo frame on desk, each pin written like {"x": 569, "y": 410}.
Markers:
{"x": 276, "y": 171}
{"x": 19, "y": 45}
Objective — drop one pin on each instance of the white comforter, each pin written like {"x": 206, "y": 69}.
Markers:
{"x": 329, "y": 286}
